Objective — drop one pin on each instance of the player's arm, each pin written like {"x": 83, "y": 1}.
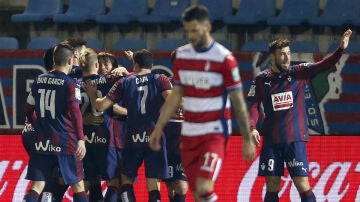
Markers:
{"x": 119, "y": 110}
{"x": 330, "y": 61}
{"x": 170, "y": 106}
{"x": 30, "y": 109}
{"x": 100, "y": 104}
{"x": 241, "y": 114}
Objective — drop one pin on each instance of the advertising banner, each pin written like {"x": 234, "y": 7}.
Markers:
{"x": 334, "y": 173}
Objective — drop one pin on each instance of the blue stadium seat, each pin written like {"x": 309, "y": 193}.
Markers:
{"x": 130, "y": 44}
{"x": 42, "y": 43}
{"x": 95, "y": 44}
{"x": 251, "y": 12}
{"x": 337, "y": 13}
{"x": 353, "y": 47}
{"x": 169, "y": 44}
{"x": 165, "y": 11}
{"x": 39, "y": 11}
{"x": 8, "y": 43}
{"x": 81, "y": 11}
{"x": 123, "y": 11}
{"x": 304, "y": 47}
{"x": 226, "y": 43}
{"x": 256, "y": 46}
{"x": 217, "y": 9}
{"x": 295, "y": 12}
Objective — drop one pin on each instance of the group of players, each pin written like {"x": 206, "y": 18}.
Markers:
{"x": 109, "y": 124}
{"x": 104, "y": 131}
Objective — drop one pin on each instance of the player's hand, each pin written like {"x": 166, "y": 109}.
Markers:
{"x": 81, "y": 150}
{"x": 90, "y": 88}
{"x": 248, "y": 150}
{"x": 120, "y": 71}
{"x": 129, "y": 54}
{"x": 90, "y": 119}
{"x": 155, "y": 138}
{"x": 345, "y": 39}
{"x": 256, "y": 137}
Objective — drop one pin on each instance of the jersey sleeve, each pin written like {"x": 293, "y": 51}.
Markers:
{"x": 115, "y": 93}
{"x": 254, "y": 103}
{"x": 165, "y": 83}
{"x": 73, "y": 92}
{"x": 176, "y": 78}
{"x": 231, "y": 73}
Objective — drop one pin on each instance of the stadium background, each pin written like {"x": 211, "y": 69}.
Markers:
{"x": 332, "y": 99}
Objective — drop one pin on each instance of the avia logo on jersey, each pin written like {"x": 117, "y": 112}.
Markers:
{"x": 282, "y": 101}
{"x": 95, "y": 139}
{"x": 39, "y": 146}
{"x": 295, "y": 163}
{"x": 140, "y": 137}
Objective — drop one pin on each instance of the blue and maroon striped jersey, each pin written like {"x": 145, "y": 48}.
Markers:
{"x": 283, "y": 98}
{"x": 142, "y": 96}
{"x": 52, "y": 94}
{"x": 104, "y": 134}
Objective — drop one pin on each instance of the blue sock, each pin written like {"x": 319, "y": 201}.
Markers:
{"x": 127, "y": 193}
{"x": 308, "y": 196}
{"x": 95, "y": 192}
{"x": 112, "y": 194}
{"x": 178, "y": 198}
{"x": 81, "y": 197}
{"x": 271, "y": 197}
{"x": 31, "y": 196}
{"x": 154, "y": 196}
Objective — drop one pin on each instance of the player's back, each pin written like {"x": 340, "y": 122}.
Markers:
{"x": 53, "y": 92}
{"x": 142, "y": 96}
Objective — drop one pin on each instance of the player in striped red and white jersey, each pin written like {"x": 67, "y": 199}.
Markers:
{"x": 205, "y": 74}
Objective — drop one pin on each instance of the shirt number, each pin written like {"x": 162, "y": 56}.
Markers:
{"x": 47, "y": 102}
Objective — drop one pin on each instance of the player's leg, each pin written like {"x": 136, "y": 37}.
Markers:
{"x": 127, "y": 189}
{"x": 156, "y": 168}
{"x": 39, "y": 170}
{"x": 110, "y": 173}
{"x": 298, "y": 166}
{"x": 271, "y": 165}
{"x": 72, "y": 173}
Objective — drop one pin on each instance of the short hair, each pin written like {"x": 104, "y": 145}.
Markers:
{"x": 76, "y": 43}
{"x": 88, "y": 59}
{"x": 278, "y": 44}
{"x": 144, "y": 58}
{"x": 105, "y": 57}
{"x": 195, "y": 12}
{"x": 62, "y": 53}
{"x": 49, "y": 59}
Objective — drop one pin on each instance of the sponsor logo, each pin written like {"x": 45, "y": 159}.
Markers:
{"x": 140, "y": 137}
{"x": 282, "y": 101}
{"x": 94, "y": 139}
{"x": 40, "y": 146}
{"x": 294, "y": 163}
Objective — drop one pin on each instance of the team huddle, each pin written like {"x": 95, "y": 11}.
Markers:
{"x": 89, "y": 120}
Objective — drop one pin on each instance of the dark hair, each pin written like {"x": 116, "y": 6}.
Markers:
{"x": 76, "y": 43}
{"x": 62, "y": 52}
{"x": 104, "y": 57}
{"x": 195, "y": 12}
{"x": 144, "y": 58}
{"x": 49, "y": 59}
{"x": 278, "y": 44}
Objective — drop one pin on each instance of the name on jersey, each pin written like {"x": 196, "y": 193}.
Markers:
{"x": 141, "y": 79}
{"x": 282, "y": 101}
{"x": 100, "y": 80}
{"x": 52, "y": 81}
{"x": 196, "y": 81}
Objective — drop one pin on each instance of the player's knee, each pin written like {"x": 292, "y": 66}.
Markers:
{"x": 204, "y": 187}
{"x": 302, "y": 184}
{"x": 181, "y": 188}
